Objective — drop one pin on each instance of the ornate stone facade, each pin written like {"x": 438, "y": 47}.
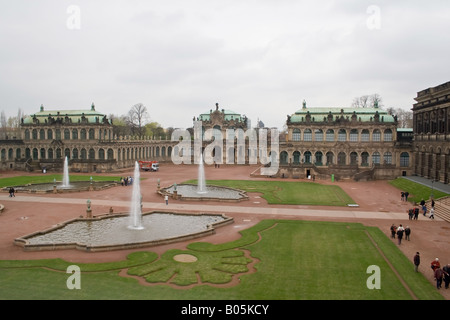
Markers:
{"x": 431, "y": 117}
{"x": 358, "y": 143}
{"x": 84, "y": 136}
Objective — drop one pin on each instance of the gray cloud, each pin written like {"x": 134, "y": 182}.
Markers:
{"x": 179, "y": 58}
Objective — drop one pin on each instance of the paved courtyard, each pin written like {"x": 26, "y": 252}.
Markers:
{"x": 379, "y": 205}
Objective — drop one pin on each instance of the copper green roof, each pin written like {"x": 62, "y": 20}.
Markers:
{"x": 228, "y": 115}
{"x": 75, "y": 116}
{"x": 321, "y": 114}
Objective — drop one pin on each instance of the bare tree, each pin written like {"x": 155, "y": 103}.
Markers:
{"x": 366, "y": 101}
{"x": 137, "y": 117}
{"x": 360, "y": 102}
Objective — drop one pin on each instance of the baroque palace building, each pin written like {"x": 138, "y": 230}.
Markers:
{"x": 84, "y": 136}
{"x": 431, "y": 118}
{"x": 357, "y": 143}
{"x": 324, "y": 143}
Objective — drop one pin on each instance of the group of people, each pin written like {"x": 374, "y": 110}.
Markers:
{"x": 440, "y": 274}
{"x": 126, "y": 181}
{"x": 399, "y": 231}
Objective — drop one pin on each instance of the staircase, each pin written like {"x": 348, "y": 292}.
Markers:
{"x": 441, "y": 208}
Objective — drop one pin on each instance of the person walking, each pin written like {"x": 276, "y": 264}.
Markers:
{"x": 400, "y": 231}
{"x": 416, "y": 260}
{"x": 393, "y": 230}
{"x": 12, "y": 192}
{"x": 406, "y": 195}
{"x": 407, "y": 233}
{"x": 411, "y": 213}
{"x": 438, "y": 275}
{"x": 446, "y": 270}
{"x": 435, "y": 264}
{"x": 416, "y": 213}
{"x": 166, "y": 198}
{"x": 432, "y": 213}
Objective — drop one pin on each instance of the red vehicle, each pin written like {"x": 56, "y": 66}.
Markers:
{"x": 149, "y": 165}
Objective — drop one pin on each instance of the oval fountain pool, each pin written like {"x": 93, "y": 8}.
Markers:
{"x": 112, "y": 232}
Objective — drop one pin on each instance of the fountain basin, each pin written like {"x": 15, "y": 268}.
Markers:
{"x": 75, "y": 186}
{"x": 110, "y": 232}
{"x": 212, "y": 193}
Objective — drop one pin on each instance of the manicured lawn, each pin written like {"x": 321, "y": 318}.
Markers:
{"x": 416, "y": 190}
{"x": 287, "y": 192}
{"x": 49, "y": 178}
{"x": 297, "y": 260}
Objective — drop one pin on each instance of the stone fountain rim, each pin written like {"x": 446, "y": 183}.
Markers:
{"x": 243, "y": 194}
{"x": 23, "y": 240}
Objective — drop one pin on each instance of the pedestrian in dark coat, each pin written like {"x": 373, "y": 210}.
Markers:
{"x": 438, "y": 275}
{"x": 407, "y": 233}
{"x": 393, "y": 230}
{"x": 416, "y": 262}
{"x": 400, "y": 231}
{"x": 446, "y": 270}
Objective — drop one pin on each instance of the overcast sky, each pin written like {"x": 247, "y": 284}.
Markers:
{"x": 260, "y": 58}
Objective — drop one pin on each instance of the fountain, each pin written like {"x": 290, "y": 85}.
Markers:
{"x": 116, "y": 231}
{"x": 201, "y": 191}
{"x": 136, "y": 201}
{"x": 201, "y": 183}
{"x": 66, "y": 181}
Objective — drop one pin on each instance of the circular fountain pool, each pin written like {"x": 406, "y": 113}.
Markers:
{"x": 191, "y": 192}
{"x": 112, "y": 232}
{"x": 74, "y": 186}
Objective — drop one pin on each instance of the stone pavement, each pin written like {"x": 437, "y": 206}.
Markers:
{"x": 352, "y": 212}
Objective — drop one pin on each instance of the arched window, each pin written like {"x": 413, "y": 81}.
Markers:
{"x": 330, "y": 135}
{"x": 27, "y": 134}
{"x": 353, "y": 158}
{"x": 308, "y": 157}
{"x": 330, "y": 158}
{"x": 58, "y": 153}
{"x": 50, "y": 153}
{"x": 376, "y": 158}
{"x": 83, "y": 154}
{"x": 284, "y": 157}
{"x": 365, "y": 135}
{"x": 42, "y": 134}
{"x": 353, "y": 135}
{"x": 49, "y": 134}
{"x": 75, "y": 153}
{"x": 342, "y": 158}
{"x": 376, "y": 135}
{"x": 110, "y": 154}
{"x": 318, "y": 135}
{"x": 342, "y": 135}
{"x": 66, "y": 134}
{"x": 318, "y": 157}
{"x": 91, "y": 134}
{"x": 296, "y": 135}
{"x": 296, "y": 159}
{"x": 35, "y": 153}
{"x": 42, "y": 151}
{"x": 101, "y": 154}
{"x": 364, "y": 159}
{"x": 404, "y": 159}
{"x": 91, "y": 154}
{"x": 388, "y": 135}
{"x": 307, "y": 135}
{"x": 34, "y": 133}
{"x": 67, "y": 153}
{"x": 83, "y": 134}
{"x": 387, "y": 158}
{"x": 75, "y": 134}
